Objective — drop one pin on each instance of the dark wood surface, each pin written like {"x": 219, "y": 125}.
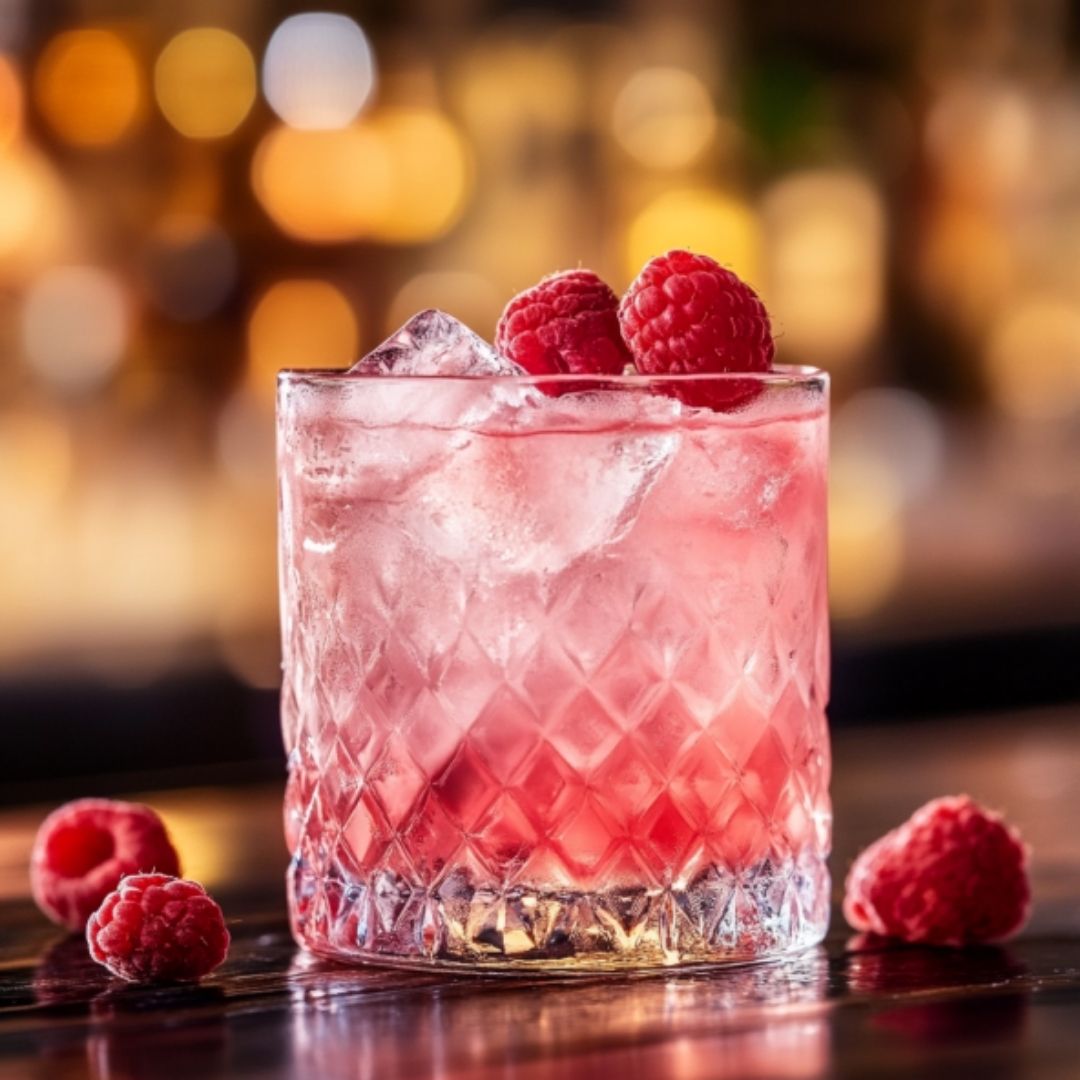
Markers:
{"x": 853, "y": 1008}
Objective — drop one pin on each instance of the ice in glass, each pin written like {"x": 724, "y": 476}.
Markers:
{"x": 556, "y": 663}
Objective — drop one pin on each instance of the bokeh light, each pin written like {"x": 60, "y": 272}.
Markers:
{"x": 190, "y": 266}
{"x": 34, "y": 211}
{"x": 400, "y": 176}
{"x": 826, "y": 266}
{"x": 323, "y": 186}
{"x": 89, "y": 87}
{"x": 472, "y": 298}
{"x": 981, "y": 137}
{"x": 508, "y": 89}
{"x": 898, "y": 431}
{"x": 35, "y": 460}
{"x": 1032, "y": 359}
{"x": 430, "y": 174}
{"x": 664, "y": 117}
{"x": 75, "y": 326}
{"x": 299, "y": 323}
{"x": 866, "y": 542}
{"x": 245, "y": 442}
{"x": 706, "y": 220}
{"x": 11, "y": 102}
{"x": 967, "y": 267}
{"x": 204, "y": 82}
{"x": 318, "y": 70}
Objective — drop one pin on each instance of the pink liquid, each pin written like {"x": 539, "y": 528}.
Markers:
{"x": 555, "y": 690}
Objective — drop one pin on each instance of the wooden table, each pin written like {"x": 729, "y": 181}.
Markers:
{"x": 850, "y": 1009}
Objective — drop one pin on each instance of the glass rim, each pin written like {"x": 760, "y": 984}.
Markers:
{"x": 782, "y": 375}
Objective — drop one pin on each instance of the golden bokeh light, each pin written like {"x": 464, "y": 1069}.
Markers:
{"x": 299, "y": 323}
{"x": 663, "y": 117}
{"x": 981, "y": 139}
{"x": 75, "y": 326}
{"x": 826, "y": 264}
{"x": 866, "y": 540}
{"x": 400, "y": 176}
{"x": 11, "y": 102}
{"x": 35, "y": 459}
{"x": 430, "y": 174}
{"x": 205, "y": 83}
{"x": 967, "y": 266}
{"x": 89, "y": 88}
{"x": 34, "y": 209}
{"x": 1032, "y": 359}
{"x": 323, "y": 186}
{"x": 705, "y": 220}
{"x": 507, "y": 87}
{"x": 472, "y": 298}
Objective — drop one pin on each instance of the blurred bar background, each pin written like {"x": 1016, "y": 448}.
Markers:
{"x": 195, "y": 194}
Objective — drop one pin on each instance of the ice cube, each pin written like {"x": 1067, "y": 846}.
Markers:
{"x": 434, "y": 343}
{"x": 568, "y": 482}
{"x": 430, "y": 344}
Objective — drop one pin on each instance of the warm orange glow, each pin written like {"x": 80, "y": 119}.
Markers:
{"x": 89, "y": 87}
{"x": 469, "y": 297}
{"x": 323, "y": 186}
{"x": 506, "y": 87}
{"x": 701, "y": 219}
{"x": 664, "y": 117}
{"x": 430, "y": 174}
{"x": 826, "y": 265}
{"x": 298, "y": 324}
{"x": 968, "y": 268}
{"x": 400, "y": 176}
{"x": 11, "y": 102}
{"x": 866, "y": 542}
{"x": 33, "y": 209}
{"x": 35, "y": 459}
{"x": 1033, "y": 359}
{"x": 204, "y": 81}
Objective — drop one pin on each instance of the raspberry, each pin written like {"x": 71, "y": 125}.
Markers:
{"x": 685, "y": 314}
{"x": 953, "y": 874}
{"x": 567, "y": 324}
{"x": 84, "y": 848}
{"x": 158, "y": 928}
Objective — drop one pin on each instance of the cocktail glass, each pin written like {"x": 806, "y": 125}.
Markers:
{"x": 556, "y": 664}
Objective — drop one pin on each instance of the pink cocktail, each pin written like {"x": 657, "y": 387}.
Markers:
{"x": 556, "y": 664}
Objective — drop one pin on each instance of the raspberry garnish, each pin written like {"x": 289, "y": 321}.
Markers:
{"x": 567, "y": 324}
{"x": 158, "y": 928}
{"x": 685, "y": 314}
{"x": 953, "y": 874}
{"x": 84, "y": 848}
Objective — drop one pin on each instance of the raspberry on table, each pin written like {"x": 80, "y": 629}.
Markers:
{"x": 953, "y": 874}
{"x": 158, "y": 928}
{"x": 685, "y": 314}
{"x": 566, "y": 324}
{"x": 84, "y": 848}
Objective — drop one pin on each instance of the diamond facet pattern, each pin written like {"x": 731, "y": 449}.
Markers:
{"x": 622, "y": 763}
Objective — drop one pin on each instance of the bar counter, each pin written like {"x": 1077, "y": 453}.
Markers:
{"x": 854, "y": 1007}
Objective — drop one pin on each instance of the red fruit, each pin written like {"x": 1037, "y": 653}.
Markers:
{"x": 157, "y": 928}
{"x": 84, "y": 848}
{"x": 567, "y": 324}
{"x": 685, "y": 314}
{"x": 953, "y": 874}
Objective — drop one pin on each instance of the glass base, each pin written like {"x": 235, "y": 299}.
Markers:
{"x": 720, "y": 917}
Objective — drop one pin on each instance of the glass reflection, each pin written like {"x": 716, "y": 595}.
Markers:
{"x": 762, "y": 1021}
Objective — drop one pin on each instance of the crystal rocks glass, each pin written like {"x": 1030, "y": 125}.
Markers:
{"x": 556, "y": 664}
